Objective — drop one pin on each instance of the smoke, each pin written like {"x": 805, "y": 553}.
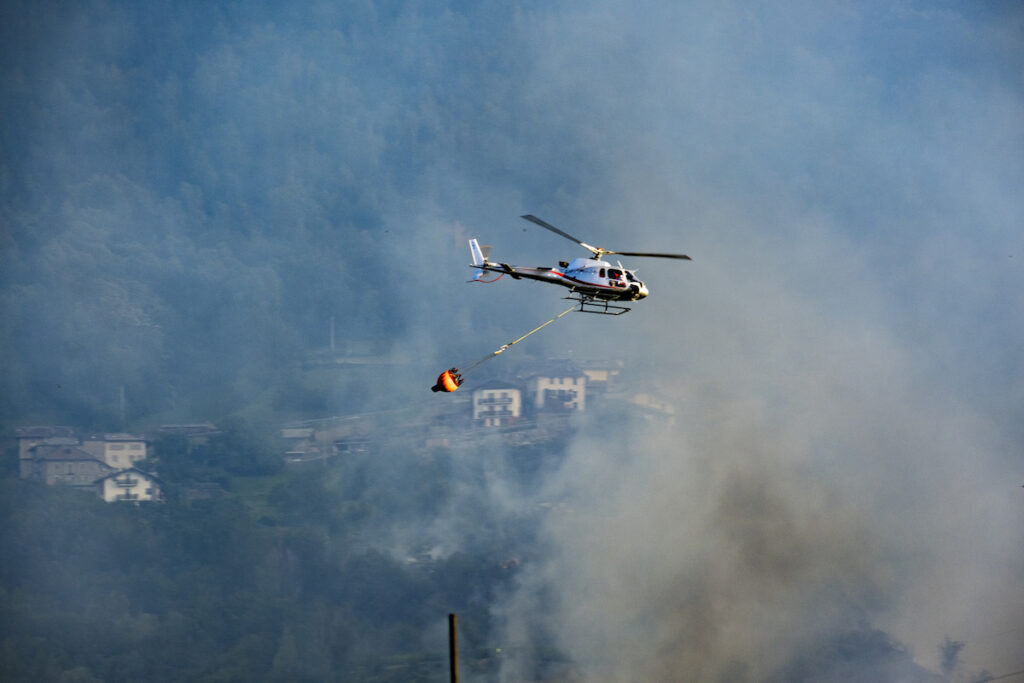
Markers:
{"x": 842, "y": 356}
{"x": 734, "y": 540}
{"x": 844, "y": 452}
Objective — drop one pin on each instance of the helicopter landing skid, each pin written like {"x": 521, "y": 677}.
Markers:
{"x": 598, "y": 306}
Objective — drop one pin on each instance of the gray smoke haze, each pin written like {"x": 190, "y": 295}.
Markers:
{"x": 844, "y": 355}
{"x": 841, "y": 176}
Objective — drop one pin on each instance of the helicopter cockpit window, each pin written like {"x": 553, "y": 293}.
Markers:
{"x": 629, "y": 276}
{"x": 614, "y": 274}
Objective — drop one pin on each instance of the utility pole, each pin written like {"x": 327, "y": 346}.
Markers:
{"x": 453, "y": 650}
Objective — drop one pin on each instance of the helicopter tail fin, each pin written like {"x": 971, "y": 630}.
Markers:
{"x": 479, "y": 259}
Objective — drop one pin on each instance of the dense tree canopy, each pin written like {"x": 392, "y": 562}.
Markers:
{"x": 285, "y": 585}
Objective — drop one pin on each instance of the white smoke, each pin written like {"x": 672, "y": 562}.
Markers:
{"x": 845, "y": 451}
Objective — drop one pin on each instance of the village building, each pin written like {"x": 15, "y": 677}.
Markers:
{"x": 30, "y": 437}
{"x": 600, "y": 376}
{"x": 497, "y": 404}
{"x": 104, "y": 465}
{"x": 67, "y": 465}
{"x": 117, "y": 450}
{"x": 129, "y": 484}
{"x": 559, "y": 386}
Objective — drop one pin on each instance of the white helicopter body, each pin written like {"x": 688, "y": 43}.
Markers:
{"x": 594, "y": 282}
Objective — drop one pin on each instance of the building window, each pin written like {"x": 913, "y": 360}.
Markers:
{"x": 116, "y": 446}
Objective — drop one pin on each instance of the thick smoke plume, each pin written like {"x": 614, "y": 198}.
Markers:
{"x": 191, "y": 194}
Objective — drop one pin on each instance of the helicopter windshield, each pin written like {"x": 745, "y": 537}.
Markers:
{"x": 629, "y": 276}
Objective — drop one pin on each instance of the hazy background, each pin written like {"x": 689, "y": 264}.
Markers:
{"x": 191, "y": 193}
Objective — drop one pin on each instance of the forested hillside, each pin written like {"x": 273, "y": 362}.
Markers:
{"x": 190, "y": 195}
{"x": 326, "y": 572}
{"x": 331, "y": 573}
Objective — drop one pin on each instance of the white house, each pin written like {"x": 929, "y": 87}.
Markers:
{"x": 129, "y": 485}
{"x": 497, "y": 404}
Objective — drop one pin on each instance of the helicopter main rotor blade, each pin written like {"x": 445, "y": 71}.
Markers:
{"x": 548, "y": 226}
{"x": 598, "y": 251}
{"x": 683, "y": 257}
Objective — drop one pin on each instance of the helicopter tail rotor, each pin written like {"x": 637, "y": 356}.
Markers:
{"x": 479, "y": 257}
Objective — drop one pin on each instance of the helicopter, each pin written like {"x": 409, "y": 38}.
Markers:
{"x": 596, "y": 284}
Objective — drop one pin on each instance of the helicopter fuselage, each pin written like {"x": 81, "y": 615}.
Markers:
{"x": 592, "y": 278}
